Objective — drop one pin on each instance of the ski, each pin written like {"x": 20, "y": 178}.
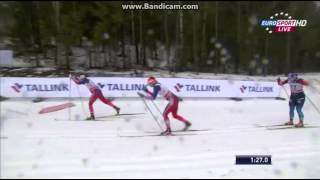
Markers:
{"x": 154, "y": 135}
{"x": 280, "y": 98}
{"x": 273, "y": 125}
{"x": 84, "y": 120}
{"x": 278, "y": 126}
{"x": 291, "y": 127}
{"x": 178, "y": 131}
{"x": 121, "y": 114}
{"x": 102, "y": 118}
{"x": 192, "y": 130}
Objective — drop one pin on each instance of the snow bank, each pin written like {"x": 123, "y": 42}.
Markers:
{"x": 51, "y": 146}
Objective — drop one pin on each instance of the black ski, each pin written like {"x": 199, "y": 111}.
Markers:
{"x": 273, "y": 125}
{"x": 154, "y": 135}
{"x": 101, "y": 118}
{"x": 277, "y": 125}
{"x": 291, "y": 127}
{"x": 280, "y": 98}
{"x": 86, "y": 120}
{"x": 192, "y": 130}
{"x": 123, "y": 114}
{"x": 189, "y": 130}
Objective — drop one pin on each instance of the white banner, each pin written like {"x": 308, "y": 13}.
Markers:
{"x": 128, "y": 87}
{"x": 256, "y": 89}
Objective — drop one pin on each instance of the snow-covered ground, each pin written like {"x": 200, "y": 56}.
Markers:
{"x": 50, "y": 146}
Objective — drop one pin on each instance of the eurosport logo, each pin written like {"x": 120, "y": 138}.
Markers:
{"x": 282, "y": 22}
{"x": 40, "y": 87}
{"x": 256, "y": 89}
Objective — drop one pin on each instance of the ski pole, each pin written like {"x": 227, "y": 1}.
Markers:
{"x": 281, "y": 98}
{"x": 313, "y": 104}
{"x": 286, "y": 92}
{"x": 314, "y": 89}
{"x": 154, "y": 104}
{"x": 69, "y": 110}
{"x": 83, "y": 110}
{"x": 145, "y": 103}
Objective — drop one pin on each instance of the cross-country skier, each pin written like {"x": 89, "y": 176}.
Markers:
{"x": 95, "y": 94}
{"x": 172, "y": 107}
{"x": 297, "y": 97}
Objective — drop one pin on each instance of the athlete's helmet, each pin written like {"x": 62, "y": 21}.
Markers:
{"x": 152, "y": 81}
{"x": 292, "y": 77}
{"x": 82, "y": 76}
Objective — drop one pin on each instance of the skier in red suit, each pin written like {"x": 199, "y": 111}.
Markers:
{"x": 96, "y": 93}
{"x": 172, "y": 107}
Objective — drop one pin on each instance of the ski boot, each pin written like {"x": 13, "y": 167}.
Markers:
{"x": 188, "y": 124}
{"x": 91, "y": 117}
{"x": 166, "y": 133}
{"x": 117, "y": 109}
{"x": 289, "y": 123}
{"x": 299, "y": 125}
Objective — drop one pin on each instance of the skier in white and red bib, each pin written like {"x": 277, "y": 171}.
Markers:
{"x": 297, "y": 97}
{"x": 172, "y": 107}
{"x": 96, "y": 93}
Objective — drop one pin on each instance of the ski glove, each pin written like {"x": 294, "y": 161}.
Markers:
{"x": 145, "y": 89}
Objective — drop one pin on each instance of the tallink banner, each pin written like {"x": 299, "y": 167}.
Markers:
{"x": 128, "y": 87}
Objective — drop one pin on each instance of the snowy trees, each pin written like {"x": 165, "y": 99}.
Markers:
{"x": 218, "y": 37}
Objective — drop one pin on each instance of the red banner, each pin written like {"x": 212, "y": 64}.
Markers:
{"x": 56, "y": 108}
